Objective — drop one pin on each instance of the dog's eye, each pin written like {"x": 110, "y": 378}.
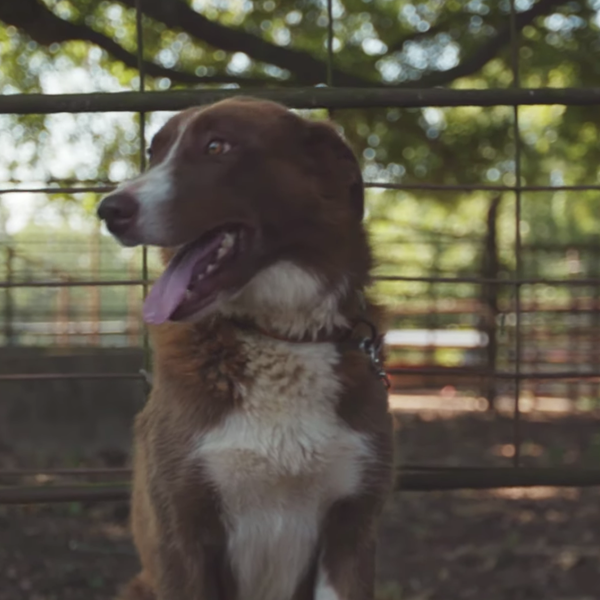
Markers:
{"x": 149, "y": 152}
{"x": 218, "y": 147}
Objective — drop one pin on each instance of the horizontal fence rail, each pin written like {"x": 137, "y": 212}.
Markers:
{"x": 301, "y": 98}
{"x": 412, "y": 480}
{"x": 455, "y": 371}
{"x": 71, "y": 376}
{"x": 12, "y": 474}
{"x": 408, "y": 187}
{"x": 588, "y": 281}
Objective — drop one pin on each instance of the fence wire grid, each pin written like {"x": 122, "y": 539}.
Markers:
{"x": 112, "y": 483}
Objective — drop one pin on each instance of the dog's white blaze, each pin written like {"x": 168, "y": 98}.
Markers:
{"x": 289, "y": 299}
{"x": 155, "y": 187}
{"x": 154, "y": 190}
{"x": 280, "y": 461}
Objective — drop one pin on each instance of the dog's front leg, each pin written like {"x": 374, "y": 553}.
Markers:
{"x": 187, "y": 574}
{"x": 346, "y": 568}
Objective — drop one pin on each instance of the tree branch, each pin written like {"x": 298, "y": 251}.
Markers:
{"x": 44, "y": 27}
{"x": 487, "y": 51}
{"x": 417, "y": 36}
{"x": 306, "y": 98}
{"x": 307, "y": 69}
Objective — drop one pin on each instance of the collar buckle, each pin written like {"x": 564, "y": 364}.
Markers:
{"x": 372, "y": 346}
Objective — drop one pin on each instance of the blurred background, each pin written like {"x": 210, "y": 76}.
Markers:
{"x": 450, "y": 231}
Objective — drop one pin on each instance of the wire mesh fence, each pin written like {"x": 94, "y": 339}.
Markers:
{"x": 502, "y": 319}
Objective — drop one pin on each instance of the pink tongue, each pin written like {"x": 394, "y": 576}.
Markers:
{"x": 169, "y": 290}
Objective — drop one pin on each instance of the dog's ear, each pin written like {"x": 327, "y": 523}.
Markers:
{"x": 335, "y": 161}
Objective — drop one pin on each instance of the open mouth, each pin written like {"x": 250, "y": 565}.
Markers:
{"x": 195, "y": 275}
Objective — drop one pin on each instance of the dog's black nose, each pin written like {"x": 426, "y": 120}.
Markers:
{"x": 118, "y": 211}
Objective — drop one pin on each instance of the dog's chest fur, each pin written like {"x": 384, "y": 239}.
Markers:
{"x": 279, "y": 461}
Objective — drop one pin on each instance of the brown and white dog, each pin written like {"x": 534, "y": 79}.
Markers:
{"x": 263, "y": 456}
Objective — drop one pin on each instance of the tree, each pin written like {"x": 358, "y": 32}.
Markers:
{"x": 84, "y": 45}
{"x": 280, "y": 43}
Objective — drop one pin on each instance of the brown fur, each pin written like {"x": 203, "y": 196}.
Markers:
{"x": 303, "y": 184}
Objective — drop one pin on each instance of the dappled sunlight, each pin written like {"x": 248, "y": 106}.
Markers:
{"x": 435, "y": 403}
{"x": 482, "y": 280}
{"x": 538, "y": 493}
{"x": 445, "y": 401}
{"x": 113, "y": 531}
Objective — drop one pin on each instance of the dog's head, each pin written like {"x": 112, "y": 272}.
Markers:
{"x": 235, "y": 189}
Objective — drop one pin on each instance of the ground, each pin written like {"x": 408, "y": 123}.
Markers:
{"x": 516, "y": 544}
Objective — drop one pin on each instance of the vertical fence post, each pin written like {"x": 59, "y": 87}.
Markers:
{"x": 514, "y": 45}
{"x": 536, "y": 349}
{"x": 95, "y": 294}
{"x": 133, "y": 304}
{"x": 329, "y": 73}
{"x": 139, "y": 20}
{"x": 574, "y": 337}
{"x": 432, "y": 317}
{"x": 63, "y": 313}
{"x": 594, "y": 343}
{"x": 491, "y": 271}
{"x": 9, "y": 333}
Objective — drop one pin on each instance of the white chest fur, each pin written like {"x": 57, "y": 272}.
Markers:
{"x": 279, "y": 462}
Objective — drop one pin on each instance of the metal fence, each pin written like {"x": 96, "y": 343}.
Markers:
{"x": 111, "y": 484}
